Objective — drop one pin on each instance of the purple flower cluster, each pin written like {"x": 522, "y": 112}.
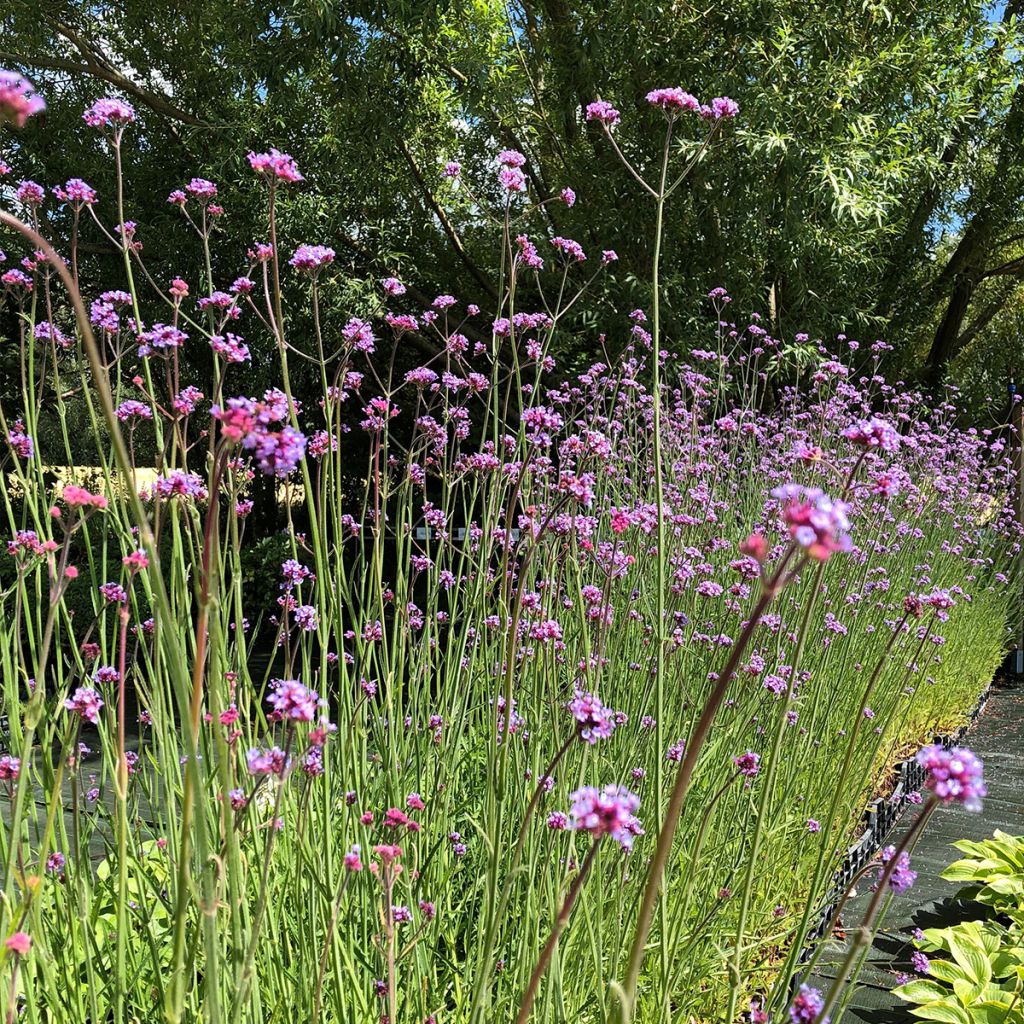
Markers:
{"x": 807, "y": 1006}
{"x": 606, "y": 812}
{"x": 291, "y": 699}
{"x": 901, "y": 876}
{"x": 594, "y": 721}
{"x": 86, "y": 703}
{"x": 18, "y": 99}
{"x": 816, "y": 522}
{"x": 109, "y": 113}
{"x": 954, "y": 776}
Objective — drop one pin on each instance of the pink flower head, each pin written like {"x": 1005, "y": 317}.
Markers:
{"x": 388, "y": 853}
{"x": 721, "y": 106}
{"x": 311, "y": 258}
{"x": 392, "y": 286}
{"x": 807, "y": 1007}
{"x": 901, "y": 878}
{"x": 594, "y": 721}
{"x": 230, "y": 347}
{"x": 18, "y": 99}
{"x": 755, "y": 546}
{"x": 528, "y": 254}
{"x": 359, "y": 334}
{"x": 161, "y": 339}
{"x": 748, "y": 764}
{"x": 201, "y": 189}
{"x": 86, "y": 703}
{"x": 511, "y": 158}
{"x": 132, "y": 411}
{"x": 817, "y": 523}
{"x": 604, "y": 113}
{"x": 268, "y": 762}
{"x": 873, "y": 433}
{"x": 452, "y": 169}
{"x": 569, "y": 248}
{"x": 512, "y": 179}
{"x": 941, "y": 600}
{"x": 109, "y": 113}
{"x": 609, "y": 811}
{"x": 76, "y": 192}
{"x": 10, "y": 768}
{"x": 19, "y": 943}
{"x": 673, "y": 101}
{"x": 275, "y": 166}
{"x": 954, "y": 776}
{"x": 79, "y": 497}
{"x": 290, "y": 699}
{"x": 30, "y": 193}
{"x": 568, "y": 197}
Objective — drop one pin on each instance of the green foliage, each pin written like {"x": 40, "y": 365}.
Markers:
{"x": 869, "y": 138}
{"x": 982, "y": 980}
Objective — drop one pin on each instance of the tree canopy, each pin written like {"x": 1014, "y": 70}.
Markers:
{"x": 871, "y": 186}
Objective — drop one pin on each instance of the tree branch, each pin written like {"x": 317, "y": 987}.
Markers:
{"x": 446, "y": 224}
{"x": 96, "y": 66}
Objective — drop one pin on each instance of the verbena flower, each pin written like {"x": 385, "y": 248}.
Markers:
{"x": 902, "y": 877}
{"x": 311, "y": 258}
{"x": 19, "y": 943}
{"x": 816, "y": 522}
{"x": 594, "y": 720}
{"x": 873, "y": 433}
{"x": 275, "y": 166}
{"x": 954, "y": 776}
{"x": 86, "y": 703}
{"x": 606, "y": 812}
{"x": 109, "y": 113}
{"x": 807, "y": 1006}
{"x": 291, "y": 699}
{"x": 673, "y": 101}
{"x": 18, "y": 99}
{"x": 604, "y": 113}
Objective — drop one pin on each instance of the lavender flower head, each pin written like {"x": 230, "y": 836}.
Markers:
{"x": 816, "y": 522}
{"x": 954, "y": 776}
{"x": 109, "y": 113}
{"x": 807, "y": 1006}
{"x": 596, "y": 722}
{"x": 902, "y": 877}
{"x": 18, "y": 99}
{"x": 606, "y": 812}
{"x": 291, "y": 699}
{"x": 86, "y": 703}
{"x": 604, "y": 113}
{"x": 275, "y": 166}
{"x": 311, "y": 258}
{"x": 673, "y": 101}
{"x": 873, "y": 433}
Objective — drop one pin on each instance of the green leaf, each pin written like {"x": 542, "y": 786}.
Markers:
{"x": 993, "y": 1013}
{"x": 944, "y": 1010}
{"x": 921, "y": 991}
{"x": 970, "y": 955}
{"x": 945, "y": 970}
